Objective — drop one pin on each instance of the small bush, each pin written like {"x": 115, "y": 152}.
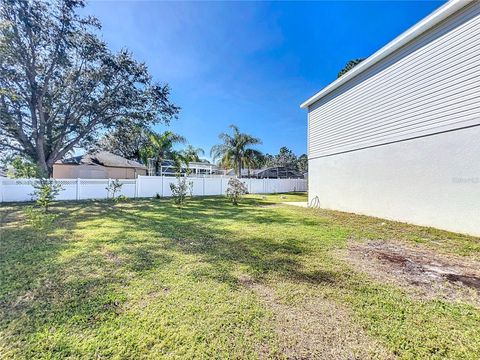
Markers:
{"x": 121, "y": 198}
{"x": 113, "y": 188}
{"x": 181, "y": 190}
{"x": 46, "y": 190}
{"x": 235, "y": 190}
{"x": 39, "y": 220}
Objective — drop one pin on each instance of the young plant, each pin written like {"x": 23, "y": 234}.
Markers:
{"x": 181, "y": 190}
{"x": 39, "y": 220}
{"x": 114, "y": 187}
{"x": 46, "y": 190}
{"x": 235, "y": 190}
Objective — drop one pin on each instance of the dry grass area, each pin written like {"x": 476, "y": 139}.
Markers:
{"x": 317, "y": 328}
{"x": 422, "y": 271}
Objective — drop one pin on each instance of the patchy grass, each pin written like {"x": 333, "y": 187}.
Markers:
{"x": 144, "y": 279}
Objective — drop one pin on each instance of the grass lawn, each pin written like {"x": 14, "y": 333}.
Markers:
{"x": 144, "y": 279}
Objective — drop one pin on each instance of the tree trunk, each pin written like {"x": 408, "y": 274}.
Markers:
{"x": 45, "y": 170}
{"x": 239, "y": 168}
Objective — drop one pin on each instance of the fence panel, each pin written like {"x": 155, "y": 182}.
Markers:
{"x": 257, "y": 186}
{"x": 17, "y": 189}
{"x": 213, "y": 186}
{"x": 144, "y": 186}
{"x": 93, "y": 189}
{"x": 167, "y": 180}
{"x": 128, "y": 188}
{"x": 149, "y": 186}
{"x": 69, "y": 189}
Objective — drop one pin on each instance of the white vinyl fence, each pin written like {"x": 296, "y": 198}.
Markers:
{"x": 144, "y": 186}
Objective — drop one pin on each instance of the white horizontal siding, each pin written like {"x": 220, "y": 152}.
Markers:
{"x": 429, "y": 86}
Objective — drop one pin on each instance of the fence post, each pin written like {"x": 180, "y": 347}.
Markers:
{"x": 77, "y": 193}
{"x": 108, "y": 186}
{"x": 137, "y": 180}
{"x": 203, "y": 185}
{"x": 161, "y": 179}
{"x": 1, "y": 189}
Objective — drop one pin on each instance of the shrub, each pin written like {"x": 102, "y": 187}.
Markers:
{"x": 39, "y": 220}
{"x": 121, "y": 198}
{"x": 235, "y": 190}
{"x": 114, "y": 187}
{"x": 181, "y": 190}
{"x": 46, "y": 190}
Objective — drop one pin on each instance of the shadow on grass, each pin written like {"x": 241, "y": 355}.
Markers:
{"x": 79, "y": 273}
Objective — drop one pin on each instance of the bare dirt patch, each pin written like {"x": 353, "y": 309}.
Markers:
{"x": 317, "y": 329}
{"x": 425, "y": 272}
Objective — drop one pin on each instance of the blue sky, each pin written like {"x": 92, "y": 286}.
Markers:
{"x": 250, "y": 63}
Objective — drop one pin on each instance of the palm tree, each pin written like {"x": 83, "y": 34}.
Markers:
{"x": 235, "y": 149}
{"x": 252, "y": 159}
{"x": 160, "y": 148}
{"x": 191, "y": 153}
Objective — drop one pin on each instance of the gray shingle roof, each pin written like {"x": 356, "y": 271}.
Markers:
{"x": 103, "y": 158}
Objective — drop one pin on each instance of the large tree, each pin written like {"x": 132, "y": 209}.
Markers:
{"x": 61, "y": 87}
{"x": 285, "y": 157}
{"x": 252, "y": 158}
{"x": 235, "y": 150}
{"x": 126, "y": 140}
{"x": 161, "y": 147}
{"x": 302, "y": 163}
{"x": 192, "y": 154}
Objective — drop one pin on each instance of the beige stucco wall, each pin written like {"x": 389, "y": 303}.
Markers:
{"x": 62, "y": 171}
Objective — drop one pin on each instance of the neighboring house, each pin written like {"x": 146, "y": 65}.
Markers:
{"x": 168, "y": 168}
{"x": 278, "y": 172}
{"x": 398, "y": 136}
{"x": 98, "y": 165}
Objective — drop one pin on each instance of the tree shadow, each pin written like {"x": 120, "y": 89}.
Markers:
{"x": 63, "y": 278}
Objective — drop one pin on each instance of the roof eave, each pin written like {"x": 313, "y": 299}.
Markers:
{"x": 419, "y": 28}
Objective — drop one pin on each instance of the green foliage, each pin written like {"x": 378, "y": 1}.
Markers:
{"x": 22, "y": 168}
{"x": 286, "y": 158}
{"x": 62, "y": 87}
{"x": 236, "y": 151}
{"x": 126, "y": 140}
{"x": 349, "y": 66}
{"x": 191, "y": 153}
{"x": 113, "y": 188}
{"x": 235, "y": 190}
{"x": 38, "y": 219}
{"x": 45, "y": 192}
{"x": 181, "y": 190}
{"x": 302, "y": 163}
{"x": 161, "y": 147}
{"x": 121, "y": 198}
